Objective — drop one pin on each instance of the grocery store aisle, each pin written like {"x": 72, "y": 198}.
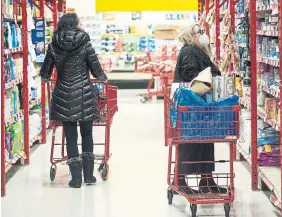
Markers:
{"x": 137, "y": 181}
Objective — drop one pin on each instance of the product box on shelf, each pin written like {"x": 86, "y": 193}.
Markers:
{"x": 167, "y": 32}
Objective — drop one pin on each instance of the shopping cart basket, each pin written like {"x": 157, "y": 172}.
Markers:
{"x": 107, "y": 103}
{"x": 200, "y": 125}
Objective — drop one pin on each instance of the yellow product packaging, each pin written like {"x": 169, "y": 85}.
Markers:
{"x": 238, "y": 86}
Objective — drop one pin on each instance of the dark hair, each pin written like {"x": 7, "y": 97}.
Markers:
{"x": 68, "y": 21}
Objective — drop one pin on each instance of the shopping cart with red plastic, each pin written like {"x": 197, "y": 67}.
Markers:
{"x": 152, "y": 65}
{"x": 198, "y": 125}
{"x": 107, "y": 103}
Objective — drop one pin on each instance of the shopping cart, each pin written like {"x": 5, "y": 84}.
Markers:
{"x": 198, "y": 125}
{"x": 107, "y": 102}
{"x": 165, "y": 78}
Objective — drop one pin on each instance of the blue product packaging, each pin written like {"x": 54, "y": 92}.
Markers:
{"x": 12, "y": 68}
{"x": 15, "y": 103}
{"x": 14, "y": 36}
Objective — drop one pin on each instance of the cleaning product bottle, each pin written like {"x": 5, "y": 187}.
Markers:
{"x": 19, "y": 36}
{"x": 9, "y": 36}
{"x": 12, "y": 68}
{"x": 15, "y": 101}
{"x": 14, "y": 36}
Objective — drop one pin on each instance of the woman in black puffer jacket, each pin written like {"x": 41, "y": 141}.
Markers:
{"x": 192, "y": 59}
{"x": 74, "y": 98}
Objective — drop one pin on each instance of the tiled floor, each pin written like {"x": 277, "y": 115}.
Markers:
{"x": 137, "y": 180}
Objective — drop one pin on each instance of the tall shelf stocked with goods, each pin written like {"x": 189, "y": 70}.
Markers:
{"x": 21, "y": 96}
{"x": 122, "y": 37}
{"x": 14, "y": 82}
{"x": 260, "y": 73}
{"x": 246, "y": 46}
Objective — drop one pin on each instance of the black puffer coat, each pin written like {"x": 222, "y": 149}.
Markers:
{"x": 74, "y": 97}
{"x": 192, "y": 60}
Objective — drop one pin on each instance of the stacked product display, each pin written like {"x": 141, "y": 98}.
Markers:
{"x": 21, "y": 115}
{"x": 267, "y": 80}
{"x": 249, "y": 48}
{"x": 122, "y": 37}
{"x": 13, "y": 86}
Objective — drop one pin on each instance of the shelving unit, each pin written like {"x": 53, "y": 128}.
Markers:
{"x": 262, "y": 176}
{"x": 23, "y": 114}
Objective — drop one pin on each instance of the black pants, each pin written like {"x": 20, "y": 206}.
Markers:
{"x": 70, "y": 129}
{"x": 196, "y": 152}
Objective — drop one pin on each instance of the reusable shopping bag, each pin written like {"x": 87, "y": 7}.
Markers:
{"x": 203, "y": 120}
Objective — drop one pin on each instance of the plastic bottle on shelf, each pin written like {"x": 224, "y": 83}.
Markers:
{"x": 12, "y": 67}
{"x": 15, "y": 42}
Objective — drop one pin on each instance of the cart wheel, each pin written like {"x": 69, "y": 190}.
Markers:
{"x": 227, "y": 210}
{"x": 105, "y": 172}
{"x": 52, "y": 173}
{"x": 144, "y": 99}
{"x": 169, "y": 196}
{"x": 101, "y": 167}
{"x": 193, "y": 208}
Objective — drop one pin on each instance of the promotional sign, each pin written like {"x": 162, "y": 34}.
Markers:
{"x": 146, "y": 5}
{"x": 38, "y": 39}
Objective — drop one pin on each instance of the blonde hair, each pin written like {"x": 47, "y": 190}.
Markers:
{"x": 186, "y": 37}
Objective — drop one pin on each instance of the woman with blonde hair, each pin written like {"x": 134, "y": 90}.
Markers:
{"x": 193, "y": 58}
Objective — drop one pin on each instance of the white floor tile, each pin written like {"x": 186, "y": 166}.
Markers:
{"x": 137, "y": 181}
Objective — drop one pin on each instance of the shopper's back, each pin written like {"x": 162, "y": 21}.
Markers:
{"x": 74, "y": 97}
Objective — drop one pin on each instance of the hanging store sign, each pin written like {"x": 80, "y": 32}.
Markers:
{"x": 146, "y": 5}
{"x": 38, "y": 39}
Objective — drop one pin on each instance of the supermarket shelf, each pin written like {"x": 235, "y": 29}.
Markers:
{"x": 273, "y": 123}
{"x": 13, "y": 83}
{"x": 34, "y": 103}
{"x": 13, "y": 50}
{"x": 35, "y": 139}
{"x": 264, "y": 8}
{"x": 268, "y": 33}
{"x": 123, "y": 52}
{"x": 271, "y": 176}
{"x": 272, "y": 62}
{"x": 14, "y": 119}
{"x": 273, "y": 92}
{"x": 8, "y": 165}
{"x": 8, "y": 18}
{"x": 244, "y": 153}
{"x": 245, "y": 103}
{"x": 125, "y": 35}
{"x": 261, "y": 113}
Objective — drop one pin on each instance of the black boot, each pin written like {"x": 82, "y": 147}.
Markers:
{"x": 88, "y": 167}
{"x": 208, "y": 185}
{"x": 75, "y": 165}
{"x": 183, "y": 186}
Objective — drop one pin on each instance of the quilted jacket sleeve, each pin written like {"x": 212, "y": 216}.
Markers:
{"x": 47, "y": 67}
{"x": 94, "y": 64}
{"x": 188, "y": 67}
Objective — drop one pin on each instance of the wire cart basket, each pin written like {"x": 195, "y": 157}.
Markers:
{"x": 107, "y": 103}
{"x": 198, "y": 125}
